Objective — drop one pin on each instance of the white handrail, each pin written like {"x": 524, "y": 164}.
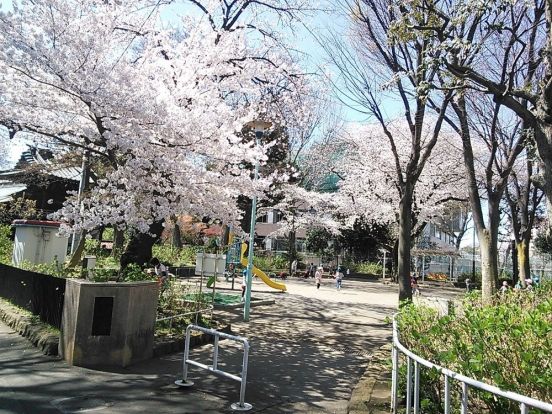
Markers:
{"x": 524, "y": 401}
{"x": 184, "y": 382}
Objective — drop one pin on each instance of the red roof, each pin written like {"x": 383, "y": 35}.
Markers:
{"x": 44, "y": 223}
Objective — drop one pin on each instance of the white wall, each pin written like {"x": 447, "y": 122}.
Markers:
{"x": 38, "y": 244}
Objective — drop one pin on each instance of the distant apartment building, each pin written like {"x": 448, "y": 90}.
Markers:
{"x": 265, "y": 237}
{"x": 437, "y": 238}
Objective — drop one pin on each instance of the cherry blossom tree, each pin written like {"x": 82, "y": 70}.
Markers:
{"x": 374, "y": 69}
{"x": 3, "y": 151}
{"x": 164, "y": 109}
{"x": 370, "y": 187}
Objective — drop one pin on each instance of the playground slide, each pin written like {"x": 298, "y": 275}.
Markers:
{"x": 259, "y": 273}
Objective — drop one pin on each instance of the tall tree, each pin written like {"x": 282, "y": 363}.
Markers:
{"x": 524, "y": 201}
{"x": 368, "y": 63}
{"x": 515, "y": 37}
{"x": 490, "y": 147}
{"x": 164, "y": 109}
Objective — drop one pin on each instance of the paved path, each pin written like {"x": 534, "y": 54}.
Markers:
{"x": 307, "y": 353}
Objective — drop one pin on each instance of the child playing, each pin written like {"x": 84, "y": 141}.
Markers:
{"x": 318, "y": 277}
{"x": 338, "y": 278}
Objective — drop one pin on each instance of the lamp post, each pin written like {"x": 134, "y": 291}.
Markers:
{"x": 473, "y": 255}
{"x": 384, "y": 260}
{"x": 259, "y": 127}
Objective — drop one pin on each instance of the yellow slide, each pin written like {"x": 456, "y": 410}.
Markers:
{"x": 260, "y": 273}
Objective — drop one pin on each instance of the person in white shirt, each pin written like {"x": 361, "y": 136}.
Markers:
{"x": 160, "y": 270}
{"x": 338, "y": 278}
{"x": 318, "y": 276}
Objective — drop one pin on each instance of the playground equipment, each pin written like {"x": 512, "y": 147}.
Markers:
{"x": 184, "y": 382}
{"x": 259, "y": 273}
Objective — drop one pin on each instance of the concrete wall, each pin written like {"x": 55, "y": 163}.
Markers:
{"x": 108, "y": 324}
{"x": 37, "y": 243}
{"x": 443, "y": 306}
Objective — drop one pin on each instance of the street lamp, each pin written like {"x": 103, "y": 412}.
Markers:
{"x": 259, "y": 127}
{"x": 384, "y": 260}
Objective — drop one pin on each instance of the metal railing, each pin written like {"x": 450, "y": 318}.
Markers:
{"x": 184, "y": 382}
{"x": 413, "y": 387}
{"x": 182, "y": 315}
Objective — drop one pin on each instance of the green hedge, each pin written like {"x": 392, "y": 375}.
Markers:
{"x": 368, "y": 268}
{"x": 271, "y": 263}
{"x": 6, "y": 245}
{"x": 175, "y": 257}
{"x": 507, "y": 344}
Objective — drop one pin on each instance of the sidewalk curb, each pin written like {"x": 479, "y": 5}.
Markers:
{"x": 38, "y": 333}
{"x": 372, "y": 394}
{"x": 253, "y": 303}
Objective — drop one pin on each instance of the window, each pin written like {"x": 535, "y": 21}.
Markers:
{"x": 102, "y": 316}
{"x": 262, "y": 219}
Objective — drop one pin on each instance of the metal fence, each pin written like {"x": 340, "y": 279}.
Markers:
{"x": 414, "y": 362}
{"x": 40, "y": 294}
{"x": 184, "y": 382}
{"x": 192, "y": 315}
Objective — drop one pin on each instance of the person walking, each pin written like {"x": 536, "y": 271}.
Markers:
{"x": 318, "y": 276}
{"x": 414, "y": 285}
{"x": 311, "y": 270}
{"x": 294, "y": 267}
{"x": 338, "y": 278}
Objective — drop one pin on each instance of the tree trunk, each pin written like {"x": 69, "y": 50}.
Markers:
{"x": 139, "y": 247}
{"x": 118, "y": 242}
{"x": 394, "y": 261}
{"x": 522, "y": 251}
{"x": 292, "y": 249}
{"x": 405, "y": 242}
{"x": 225, "y": 238}
{"x": 176, "y": 238}
{"x": 77, "y": 254}
{"x": 489, "y": 265}
{"x": 543, "y": 137}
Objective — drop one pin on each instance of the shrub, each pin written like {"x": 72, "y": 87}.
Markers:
{"x": 134, "y": 273}
{"x": 54, "y": 268}
{"x": 506, "y": 344}
{"x": 279, "y": 262}
{"x": 6, "y": 245}
{"x": 469, "y": 275}
{"x": 369, "y": 268}
{"x": 104, "y": 275}
{"x": 270, "y": 263}
{"x": 187, "y": 255}
{"x": 173, "y": 256}
{"x": 262, "y": 262}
